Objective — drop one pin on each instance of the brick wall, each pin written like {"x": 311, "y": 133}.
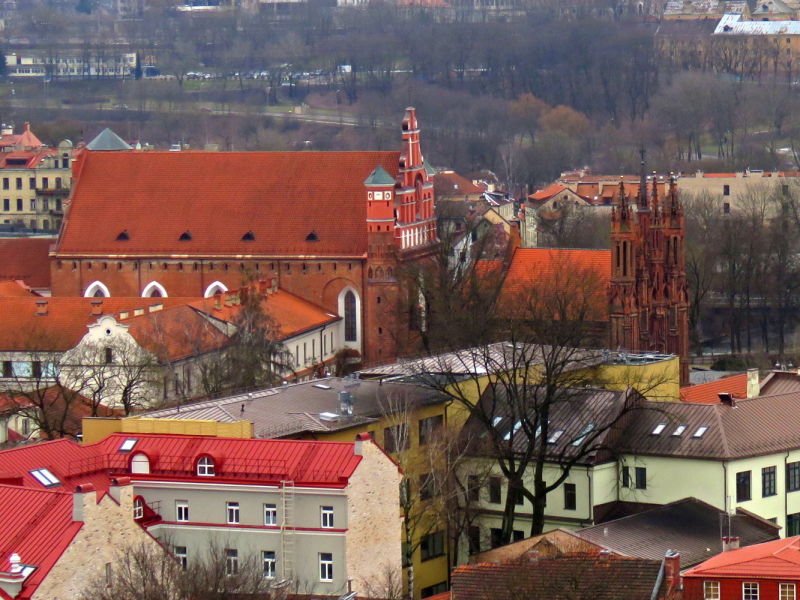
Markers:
{"x": 107, "y": 528}
{"x": 374, "y": 520}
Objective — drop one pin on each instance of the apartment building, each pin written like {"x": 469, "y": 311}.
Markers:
{"x": 323, "y": 515}
{"x": 80, "y": 65}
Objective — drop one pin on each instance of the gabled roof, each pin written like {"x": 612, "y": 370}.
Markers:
{"x": 108, "y": 140}
{"x": 780, "y": 382}
{"x": 548, "y": 192}
{"x": 26, "y": 259}
{"x": 772, "y": 560}
{"x": 280, "y": 197}
{"x": 15, "y": 288}
{"x": 379, "y": 177}
{"x": 577, "y": 576}
{"x": 448, "y": 183}
{"x": 708, "y": 393}
{"x": 689, "y": 527}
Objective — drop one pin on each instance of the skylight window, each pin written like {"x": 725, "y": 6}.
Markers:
{"x": 128, "y": 445}
{"x": 586, "y": 431}
{"x": 659, "y": 428}
{"x": 679, "y": 430}
{"x": 496, "y": 421}
{"x": 322, "y": 386}
{"x": 700, "y": 431}
{"x": 554, "y": 438}
{"x": 45, "y": 477}
{"x": 517, "y": 425}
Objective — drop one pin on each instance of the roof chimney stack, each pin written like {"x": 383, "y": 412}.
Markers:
{"x": 672, "y": 571}
{"x": 753, "y": 387}
{"x": 730, "y": 543}
{"x": 605, "y": 554}
{"x": 41, "y": 308}
{"x": 97, "y": 308}
{"x": 727, "y": 399}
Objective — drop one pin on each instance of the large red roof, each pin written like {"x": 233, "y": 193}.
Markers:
{"x": 778, "y": 559}
{"x": 26, "y": 259}
{"x": 708, "y": 393}
{"x": 218, "y": 197}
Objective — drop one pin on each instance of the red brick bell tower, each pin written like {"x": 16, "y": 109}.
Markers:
{"x": 648, "y": 296}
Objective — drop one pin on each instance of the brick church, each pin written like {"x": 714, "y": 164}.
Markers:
{"x": 648, "y": 296}
{"x": 335, "y": 228}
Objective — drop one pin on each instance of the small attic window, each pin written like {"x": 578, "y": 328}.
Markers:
{"x": 659, "y": 428}
{"x": 186, "y": 236}
{"x": 312, "y": 237}
{"x": 700, "y": 431}
{"x": 123, "y": 236}
{"x": 679, "y": 431}
{"x": 322, "y": 386}
{"x": 554, "y": 438}
{"x": 249, "y": 237}
{"x": 127, "y": 445}
{"x": 45, "y": 477}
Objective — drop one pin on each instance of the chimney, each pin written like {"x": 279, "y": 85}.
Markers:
{"x": 727, "y": 399}
{"x": 605, "y": 554}
{"x": 16, "y": 563}
{"x": 156, "y": 307}
{"x": 753, "y": 388}
{"x": 78, "y": 500}
{"x": 345, "y": 404}
{"x": 97, "y": 308}
{"x": 41, "y": 308}
{"x": 138, "y": 312}
{"x": 115, "y": 489}
{"x": 358, "y": 450}
{"x": 27, "y": 126}
{"x": 672, "y": 571}
{"x": 730, "y": 543}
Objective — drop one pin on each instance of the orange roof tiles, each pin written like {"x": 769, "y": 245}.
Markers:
{"x": 219, "y": 197}
{"x": 453, "y": 184}
{"x": 548, "y": 192}
{"x": 26, "y": 259}
{"x": 708, "y": 393}
{"x": 15, "y": 288}
{"x": 778, "y": 559}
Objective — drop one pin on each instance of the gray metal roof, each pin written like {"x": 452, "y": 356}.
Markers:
{"x": 732, "y": 24}
{"x": 689, "y": 526}
{"x": 108, "y": 140}
{"x": 379, "y": 176}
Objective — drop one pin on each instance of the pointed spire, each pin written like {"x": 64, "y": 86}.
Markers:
{"x": 654, "y": 204}
{"x": 642, "y": 182}
{"x": 674, "y": 204}
{"x": 623, "y": 200}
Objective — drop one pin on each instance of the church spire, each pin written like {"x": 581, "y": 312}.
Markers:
{"x": 642, "y": 182}
{"x": 654, "y": 195}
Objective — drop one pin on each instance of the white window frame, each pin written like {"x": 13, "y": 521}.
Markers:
{"x": 326, "y": 517}
{"x": 182, "y": 511}
{"x": 326, "y": 567}
{"x": 711, "y": 590}
{"x": 750, "y": 590}
{"x": 270, "y": 514}
{"x": 138, "y": 508}
{"x": 787, "y": 591}
{"x": 211, "y": 289}
{"x": 45, "y": 477}
{"x": 231, "y": 561}
{"x": 94, "y": 287}
{"x": 270, "y": 563}
{"x": 182, "y": 556}
{"x": 152, "y": 286}
{"x": 205, "y": 466}
{"x": 232, "y": 511}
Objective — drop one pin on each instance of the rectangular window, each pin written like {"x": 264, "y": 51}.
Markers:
{"x": 793, "y": 524}
{"x": 474, "y": 537}
{"x": 569, "y": 496}
{"x": 495, "y": 537}
{"x": 495, "y": 490}
{"x": 270, "y": 514}
{"x": 428, "y": 426}
{"x": 19, "y": 183}
{"x": 233, "y": 513}
{"x": 325, "y": 566}
{"x": 768, "y": 477}
{"x": 626, "y": 477}
{"x": 726, "y": 190}
{"x": 182, "y": 511}
{"x": 327, "y": 517}
{"x": 749, "y": 591}
{"x": 432, "y": 545}
{"x": 787, "y": 591}
{"x": 19, "y": 204}
{"x": 231, "y": 561}
{"x": 5, "y": 183}
{"x": 517, "y": 535}
{"x": 641, "y": 478}
{"x": 180, "y": 554}
{"x": 726, "y": 208}
{"x": 395, "y": 438}
{"x": 33, "y": 204}
{"x": 32, "y": 183}
{"x": 45, "y": 183}
{"x": 58, "y": 183}
{"x": 519, "y": 497}
{"x": 793, "y": 477}
{"x": 711, "y": 590}
{"x": 433, "y": 590}
{"x": 268, "y": 557}
{"x": 743, "y": 486}
{"x": 6, "y": 204}
{"x": 428, "y": 487}
{"x": 473, "y": 488}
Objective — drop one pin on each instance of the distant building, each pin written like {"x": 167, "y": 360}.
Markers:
{"x": 78, "y": 65}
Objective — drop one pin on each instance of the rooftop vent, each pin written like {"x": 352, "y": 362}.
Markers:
{"x": 312, "y": 237}
{"x": 249, "y": 237}
{"x": 123, "y": 236}
{"x": 186, "y": 236}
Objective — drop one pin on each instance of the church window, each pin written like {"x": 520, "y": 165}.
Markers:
{"x": 334, "y": 267}
{"x": 319, "y": 267}
{"x": 349, "y": 266}
{"x": 105, "y": 266}
{"x": 194, "y": 267}
{"x": 180, "y": 266}
{"x": 380, "y": 330}
{"x": 389, "y": 272}
{"x": 304, "y": 269}
{"x": 379, "y": 299}
{"x": 88, "y": 266}
{"x": 370, "y": 273}
{"x": 350, "y": 328}
{"x": 624, "y": 259}
{"x": 241, "y": 266}
{"x": 288, "y": 268}
{"x": 225, "y": 266}
{"x": 164, "y": 267}
{"x": 119, "y": 266}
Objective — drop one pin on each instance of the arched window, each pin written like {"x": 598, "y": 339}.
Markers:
{"x": 138, "y": 508}
{"x": 97, "y": 290}
{"x": 205, "y": 466}
{"x": 140, "y": 464}
{"x": 154, "y": 290}
{"x": 350, "y": 326}
{"x": 214, "y": 289}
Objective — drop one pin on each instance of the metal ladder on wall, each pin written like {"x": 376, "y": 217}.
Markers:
{"x": 287, "y": 530}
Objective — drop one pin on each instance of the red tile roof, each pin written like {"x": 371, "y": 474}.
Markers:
{"x": 219, "y": 197}
{"x": 453, "y": 184}
{"x": 552, "y": 268}
{"x": 312, "y": 463}
{"x": 708, "y": 393}
{"x": 548, "y": 192}
{"x": 778, "y": 559}
{"x": 26, "y": 259}
{"x": 16, "y": 288}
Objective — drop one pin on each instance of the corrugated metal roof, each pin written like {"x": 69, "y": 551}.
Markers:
{"x": 732, "y": 24}
{"x": 778, "y": 383}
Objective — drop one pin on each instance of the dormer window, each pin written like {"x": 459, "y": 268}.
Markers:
{"x": 127, "y": 445}
{"x": 138, "y": 509}
{"x": 312, "y": 237}
{"x": 205, "y": 467}
{"x": 186, "y": 236}
{"x": 249, "y": 237}
{"x": 123, "y": 236}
